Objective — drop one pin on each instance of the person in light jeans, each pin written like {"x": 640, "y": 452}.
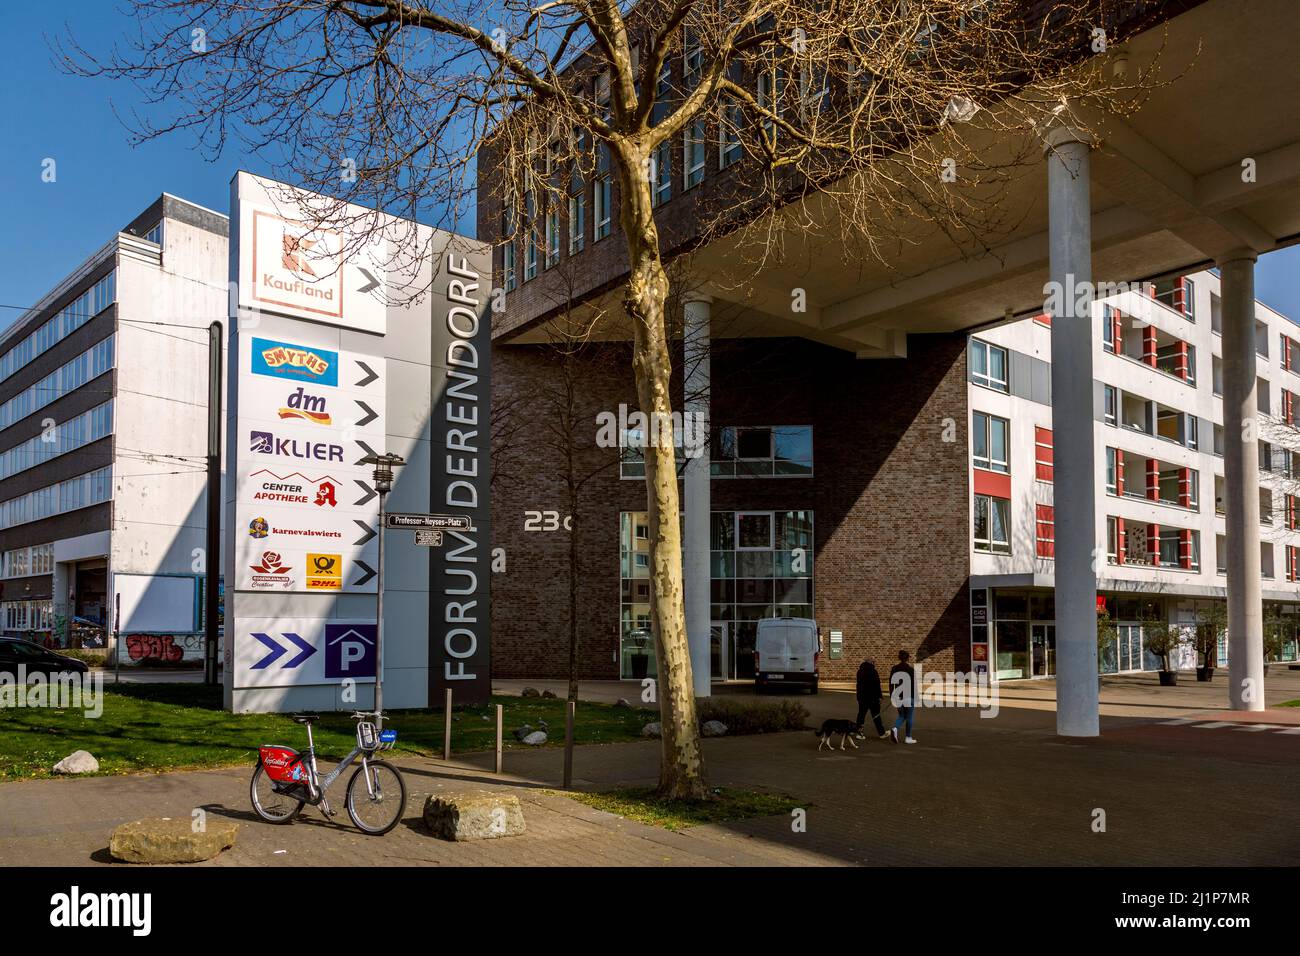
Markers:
{"x": 903, "y": 695}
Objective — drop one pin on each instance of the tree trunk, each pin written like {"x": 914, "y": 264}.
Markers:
{"x": 681, "y": 772}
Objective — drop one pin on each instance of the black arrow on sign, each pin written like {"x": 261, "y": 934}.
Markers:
{"x": 370, "y": 413}
{"x": 367, "y": 531}
{"x": 372, "y": 282}
{"x": 370, "y": 375}
{"x": 369, "y": 492}
{"x": 367, "y": 574}
{"x": 369, "y": 453}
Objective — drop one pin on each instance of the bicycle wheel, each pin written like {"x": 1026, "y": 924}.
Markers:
{"x": 271, "y": 806}
{"x": 378, "y": 808}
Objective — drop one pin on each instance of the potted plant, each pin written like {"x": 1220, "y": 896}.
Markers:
{"x": 1274, "y": 640}
{"x": 1106, "y": 636}
{"x": 1211, "y": 623}
{"x": 1163, "y": 640}
{"x": 638, "y": 642}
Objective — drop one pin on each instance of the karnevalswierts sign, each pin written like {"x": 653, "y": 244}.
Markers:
{"x": 459, "y": 586}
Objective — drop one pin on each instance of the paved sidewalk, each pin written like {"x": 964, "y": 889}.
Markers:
{"x": 973, "y": 791}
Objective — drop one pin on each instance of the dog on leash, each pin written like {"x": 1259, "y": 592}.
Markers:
{"x": 845, "y": 728}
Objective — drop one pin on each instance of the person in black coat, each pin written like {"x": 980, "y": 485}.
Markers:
{"x": 869, "y": 697}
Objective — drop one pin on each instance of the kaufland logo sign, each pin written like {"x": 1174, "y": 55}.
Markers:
{"x": 297, "y": 362}
{"x": 297, "y": 266}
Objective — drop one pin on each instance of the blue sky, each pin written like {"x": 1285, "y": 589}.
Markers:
{"x": 102, "y": 182}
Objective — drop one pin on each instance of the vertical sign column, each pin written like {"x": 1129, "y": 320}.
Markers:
{"x": 460, "y": 572}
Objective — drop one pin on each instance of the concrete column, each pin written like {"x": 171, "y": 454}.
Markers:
{"x": 1069, "y": 208}
{"x": 1241, "y": 484}
{"x": 695, "y": 432}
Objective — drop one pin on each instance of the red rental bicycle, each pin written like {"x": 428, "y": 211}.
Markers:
{"x": 285, "y": 780}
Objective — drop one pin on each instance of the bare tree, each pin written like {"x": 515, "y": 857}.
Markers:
{"x": 845, "y": 114}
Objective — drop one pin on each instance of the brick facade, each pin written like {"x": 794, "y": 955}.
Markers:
{"x": 888, "y": 492}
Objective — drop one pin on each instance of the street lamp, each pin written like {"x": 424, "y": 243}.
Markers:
{"x": 383, "y": 477}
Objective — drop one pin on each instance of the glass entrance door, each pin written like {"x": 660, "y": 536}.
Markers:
{"x": 720, "y": 665}
{"x": 1129, "y": 650}
{"x": 1042, "y": 647}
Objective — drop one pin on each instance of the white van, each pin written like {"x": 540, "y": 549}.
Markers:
{"x": 787, "y": 650}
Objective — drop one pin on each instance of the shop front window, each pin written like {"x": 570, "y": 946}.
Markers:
{"x": 761, "y": 565}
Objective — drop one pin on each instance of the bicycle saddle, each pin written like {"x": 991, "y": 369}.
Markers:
{"x": 306, "y": 718}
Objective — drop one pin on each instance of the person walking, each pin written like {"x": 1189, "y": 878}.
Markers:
{"x": 903, "y": 694}
{"x": 869, "y": 698}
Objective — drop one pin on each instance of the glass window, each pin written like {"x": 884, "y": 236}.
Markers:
{"x": 754, "y": 530}
{"x": 992, "y": 524}
{"x": 988, "y": 365}
{"x": 662, "y": 173}
{"x": 747, "y": 585}
{"x": 693, "y": 154}
{"x": 989, "y": 436}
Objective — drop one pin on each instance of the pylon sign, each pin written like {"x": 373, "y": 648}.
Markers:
{"x": 307, "y": 388}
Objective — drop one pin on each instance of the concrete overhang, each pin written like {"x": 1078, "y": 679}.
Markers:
{"x": 1169, "y": 195}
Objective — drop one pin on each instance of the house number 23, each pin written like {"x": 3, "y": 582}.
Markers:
{"x": 547, "y": 521}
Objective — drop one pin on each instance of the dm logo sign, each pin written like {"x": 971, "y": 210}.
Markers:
{"x": 295, "y": 362}
{"x": 349, "y": 650}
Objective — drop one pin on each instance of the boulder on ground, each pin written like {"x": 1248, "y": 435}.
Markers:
{"x": 522, "y": 732}
{"x": 79, "y": 761}
{"x": 652, "y": 730}
{"x": 473, "y": 815}
{"x": 530, "y": 692}
{"x": 713, "y": 728}
{"x": 535, "y": 739}
{"x": 549, "y": 694}
{"x": 171, "y": 840}
{"x": 622, "y": 702}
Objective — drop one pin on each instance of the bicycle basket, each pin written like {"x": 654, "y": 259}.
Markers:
{"x": 367, "y": 736}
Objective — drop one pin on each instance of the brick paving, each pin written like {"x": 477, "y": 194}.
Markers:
{"x": 973, "y": 791}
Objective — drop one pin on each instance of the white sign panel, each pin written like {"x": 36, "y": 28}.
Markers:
{"x": 306, "y": 511}
{"x": 278, "y": 652}
{"x": 292, "y": 267}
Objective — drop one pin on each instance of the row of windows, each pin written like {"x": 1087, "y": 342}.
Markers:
{"x": 94, "y": 362}
{"x": 67, "y": 321}
{"x": 24, "y": 562}
{"x": 751, "y": 451}
{"x": 27, "y": 615}
{"x": 80, "y": 492}
{"x": 58, "y": 440}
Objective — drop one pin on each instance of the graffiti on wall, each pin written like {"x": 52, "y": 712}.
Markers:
{"x": 163, "y": 648}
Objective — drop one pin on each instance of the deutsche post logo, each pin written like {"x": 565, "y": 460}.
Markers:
{"x": 324, "y": 572}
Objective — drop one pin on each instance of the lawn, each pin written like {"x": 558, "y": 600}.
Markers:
{"x": 159, "y": 727}
{"x": 726, "y": 804}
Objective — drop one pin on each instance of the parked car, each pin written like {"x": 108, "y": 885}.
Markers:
{"x": 15, "y": 651}
{"x": 787, "y": 652}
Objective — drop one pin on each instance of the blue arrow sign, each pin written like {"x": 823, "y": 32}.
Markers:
{"x": 306, "y": 649}
{"x": 278, "y": 650}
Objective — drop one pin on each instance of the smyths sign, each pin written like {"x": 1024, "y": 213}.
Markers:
{"x": 459, "y": 655}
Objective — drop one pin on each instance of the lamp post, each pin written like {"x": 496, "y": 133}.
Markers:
{"x": 383, "y": 477}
